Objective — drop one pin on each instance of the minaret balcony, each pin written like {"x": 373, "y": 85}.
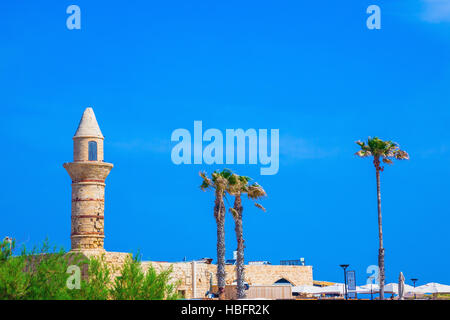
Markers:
{"x": 90, "y": 171}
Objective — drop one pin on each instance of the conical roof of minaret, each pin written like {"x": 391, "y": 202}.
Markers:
{"x": 88, "y": 126}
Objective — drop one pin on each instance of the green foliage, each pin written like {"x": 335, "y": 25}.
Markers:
{"x": 6, "y": 248}
{"x": 42, "y": 274}
{"x": 39, "y": 274}
{"x": 13, "y": 281}
{"x": 98, "y": 283}
{"x": 233, "y": 184}
{"x": 47, "y": 268}
{"x": 134, "y": 284}
{"x": 387, "y": 150}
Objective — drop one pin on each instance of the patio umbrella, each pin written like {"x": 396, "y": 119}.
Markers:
{"x": 432, "y": 287}
{"x": 307, "y": 289}
{"x": 408, "y": 291}
{"x": 368, "y": 288}
{"x": 395, "y": 288}
{"x": 391, "y": 288}
{"x": 401, "y": 286}
{"x": 337, "y": 288}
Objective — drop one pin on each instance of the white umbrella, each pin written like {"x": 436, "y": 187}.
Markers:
{"x": 409, "y": 291}
{"x": 401, "y": 285}
{"x": 368, "y": 288}
{"x": 407, "y": 288}
{"x": 337, "y": 288}
{"x": 413, "y": 295}
{"x": 391, "y": 288}
{"x": 388, "y": 288}
{"x": 432, "y": 287}
{"x": 307, "y": 289}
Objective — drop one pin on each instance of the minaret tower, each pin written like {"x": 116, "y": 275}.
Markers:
{"x": 88, "y": 173}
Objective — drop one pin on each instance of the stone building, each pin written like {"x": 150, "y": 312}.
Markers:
{"x": 88, "y": 172}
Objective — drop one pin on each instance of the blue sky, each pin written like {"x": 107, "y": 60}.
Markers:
{"x": 313, "y": 71}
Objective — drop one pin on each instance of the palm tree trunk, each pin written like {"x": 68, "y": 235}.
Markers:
{"x": 240, "y": 247}
{"x": 219, "y": 213}
{"x": 380, "y": 230}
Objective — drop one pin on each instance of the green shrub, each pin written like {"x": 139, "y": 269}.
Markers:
{"x": 98, "y": 284}
{"x": 134, "y": 284}
{"x": 47, "y": 270}
{"x": 6, "y": 249}
{"x": 41, "y": 274}
{"x": 14, "y": 282}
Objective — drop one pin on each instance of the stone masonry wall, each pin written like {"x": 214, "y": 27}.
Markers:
{"x": 81, "y": 148}
{"x": 88, "y": 194}
{"x": 183, "y": 273}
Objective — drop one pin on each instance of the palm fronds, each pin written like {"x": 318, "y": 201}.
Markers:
{"x": 260, "y": 206}
{"x": 386, "y": 150}
{"x": 206, "y": 183}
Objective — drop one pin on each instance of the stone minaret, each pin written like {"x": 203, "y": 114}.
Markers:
{"x": 88, "y": 173}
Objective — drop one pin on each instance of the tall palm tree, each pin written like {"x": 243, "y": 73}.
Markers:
{"x": 218, "y": 182}
{"x": 236, "y": 187}
{"x": 386, "y": 151}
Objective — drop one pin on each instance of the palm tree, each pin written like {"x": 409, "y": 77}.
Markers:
{"x": 218, "y": 182}
{"x": 386, "y": 151}
{"x": 236, "y": 187}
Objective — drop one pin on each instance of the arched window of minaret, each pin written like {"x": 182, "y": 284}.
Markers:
{"x": 92, "y": 151}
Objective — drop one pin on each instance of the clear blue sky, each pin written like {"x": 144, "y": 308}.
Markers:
{"x": 313, "y": 71}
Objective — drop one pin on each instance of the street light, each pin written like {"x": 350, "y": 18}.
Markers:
{"x": 414, "y": 282}
{"x": 371, "y": 292}
{"x": 345, "y": 266}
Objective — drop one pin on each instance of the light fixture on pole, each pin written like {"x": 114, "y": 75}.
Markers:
{"x": 371, "y": 292}
{"x": 345, "y": 266}
{"x": 414, "y": 283}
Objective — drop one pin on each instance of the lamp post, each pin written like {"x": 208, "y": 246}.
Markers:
{"x": 371, "y": 292}
{"x": 345, "y": 266}
{"x": 414, "y": 283}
